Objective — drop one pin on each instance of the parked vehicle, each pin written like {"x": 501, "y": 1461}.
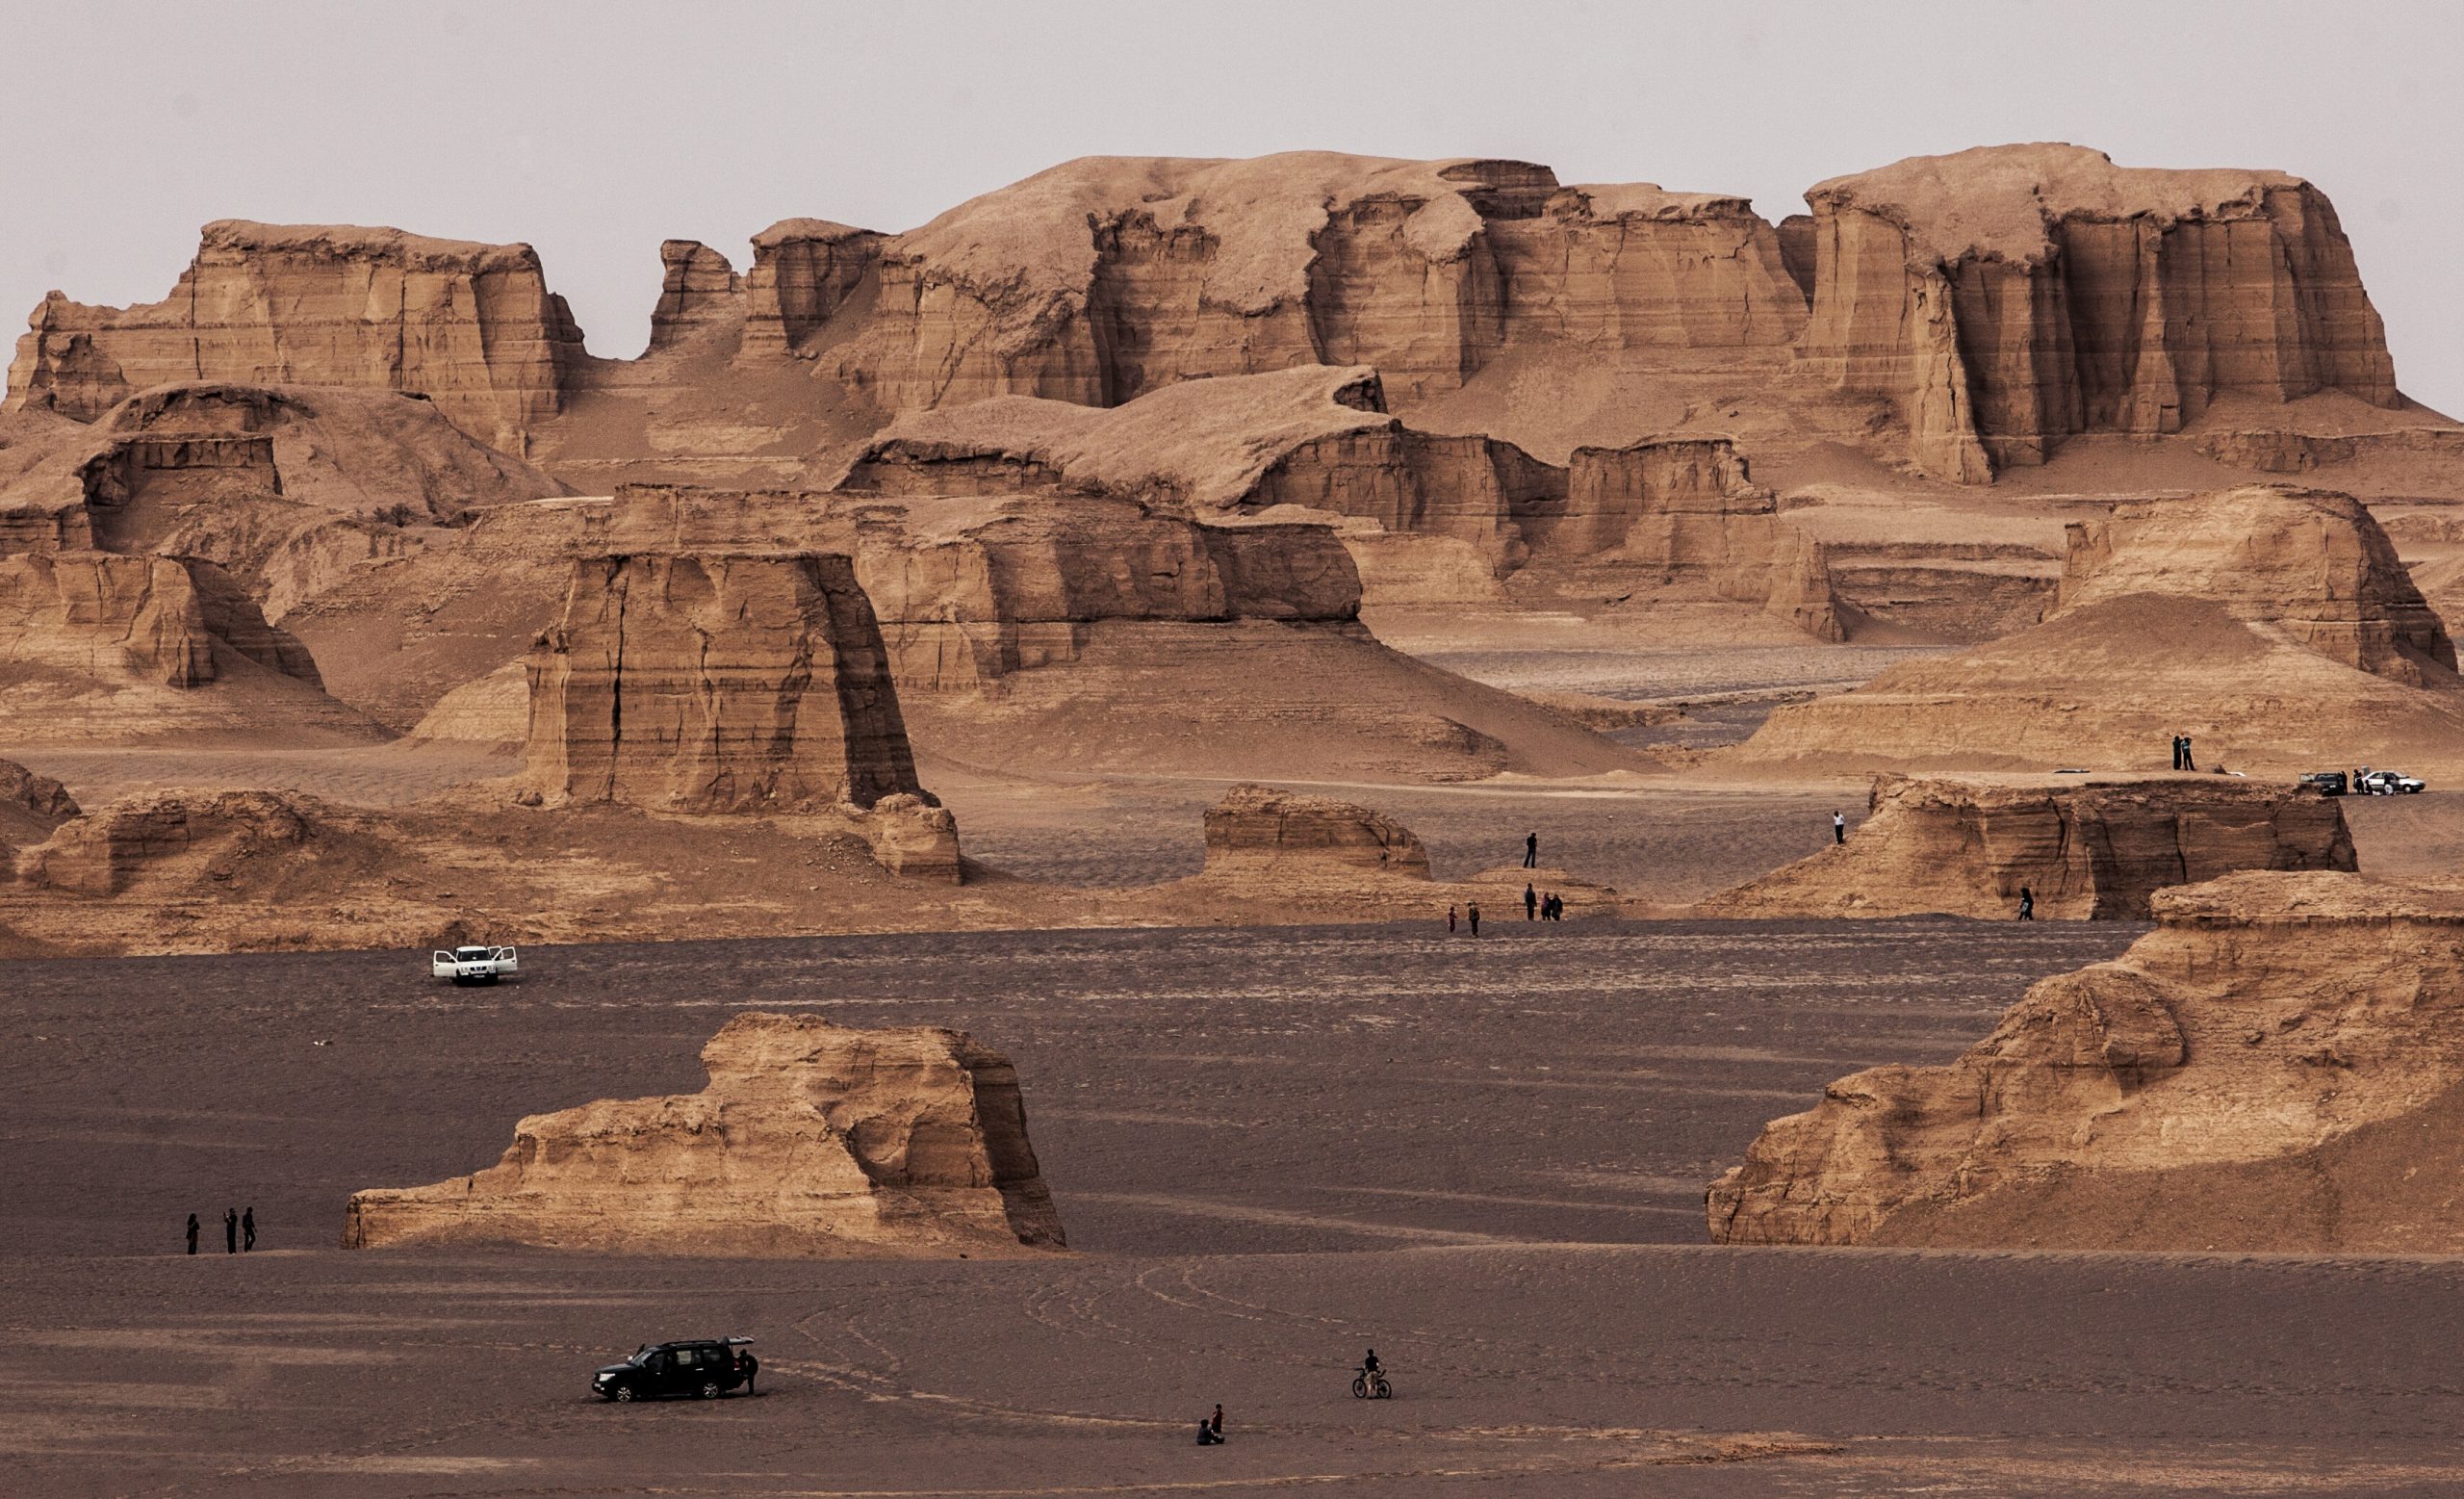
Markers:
{"x": 704, "y": 1368}
{"x": 474, "y": 965}
{"x": 2389, "y": 782}
{"x": 2326, "y": 783}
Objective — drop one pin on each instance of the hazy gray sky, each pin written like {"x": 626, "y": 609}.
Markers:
{"x": 596, "y": 130}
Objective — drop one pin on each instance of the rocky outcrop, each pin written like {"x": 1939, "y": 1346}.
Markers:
{"x": 2277, "y": 1066}
{"x": 174, "y": 836}
{"x": 717, "y": 682}
{"x": 804, "y": 271}
{"x": 105, "y": 615}
{"x": 1670, "y": 513}
{"x": 2008, "y": 297}
{"x": 811, "y": 1141}
{"x": 2089, "y": 849}
{"x": 2313, "y": 563}
{"x": 700, "y": 299}
{"x": 2273, "y": 626}
{"x": 1107, "y": 277}
{"x": 1261, "y": 832}
{"x": 471, "y": 327}
{"x": 32, "y": 805}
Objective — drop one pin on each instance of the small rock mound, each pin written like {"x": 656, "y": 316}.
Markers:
{"x": 31, "y": 806}
{"x": 1257, "y": 831}
{"x": 2089, "y": 849}
{"x": 812, "y": 1141}
{"x": 2277, "y": 1066}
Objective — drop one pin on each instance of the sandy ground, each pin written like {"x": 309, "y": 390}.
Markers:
{"x": 1272, "y": 1148}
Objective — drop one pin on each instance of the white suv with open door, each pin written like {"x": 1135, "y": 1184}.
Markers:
{"x": 473, "y": 965}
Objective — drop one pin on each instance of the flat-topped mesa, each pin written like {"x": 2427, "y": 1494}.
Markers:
{"x": 472, "y": 327}
{"x": 717, "y": 682}
{"x": 804, "y": 271}
{"x": 700, "y": 299}
{"x": 812, "y": 1141}
{"x": 2315, "y": 563}
{"x": 2275, "y": 626}
{"x": 2277, "y": 1066}
{"x": 107, "y": 618}
{"x": 2007, "y": 298}
{"x": 1107, "y": 277}
{"x": 2088, "y": 849}
{"x": 1259, "y": 831}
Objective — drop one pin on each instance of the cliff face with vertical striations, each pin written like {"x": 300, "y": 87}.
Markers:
{"x": 804, "y": 272}
{"x": 2277, "y": 1066}
{"x": 472, "y": 327}
{"x": 811, "y": 1141}
{"x": 1107, "y": 277}
{"x": 2007, "y": 298}
{"x": 2090, "y": 849}
{"x": 700, "y": 296}
{"x": 717, "y": 682}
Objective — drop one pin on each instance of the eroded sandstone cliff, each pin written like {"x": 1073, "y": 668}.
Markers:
{"x": 2007, "y": 298}
{"x": 2088, "y": 849}
{"x": 717, "y": 682}
{"x": 2277, "y": 1066}
{"x": 811, "y": 1141}
{"x": 1260, "y": 832}
{"x": 472, "y": 327}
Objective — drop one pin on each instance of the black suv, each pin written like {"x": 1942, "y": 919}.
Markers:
{"x": 705, "y": 1367}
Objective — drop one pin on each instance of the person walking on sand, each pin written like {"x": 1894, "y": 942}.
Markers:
{"x": 1531, "y": 850}
{"x": 1839, "y": 828}
{"x": 1531, "y": 903}
{"x": 248, "y": 1229}
{"x": 1472, "y": 913}
{"x": 1450, "y": 920}
{"x": 191, "y": 1233}
{"x": 230, "y": 1230}
{"x": 2027, "y": 904}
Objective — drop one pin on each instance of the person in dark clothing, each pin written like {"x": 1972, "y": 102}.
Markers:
{"x": 2177, "y": 752}
{"x": 2188, "y": 764}
{"x": 1839, "y": 828}
{"x": 1450, "y": 920}
{"x": 248, "y": 1229}
{"x": 1556, "y": 908}
{"x": 1208, "y": 1435}
{"x": 1473, "y": 914}
{"x": 2027, "y": 904}
{"x": 1369, "y": 1365}
{"x": 1531, "y": 850}
{"x": 230, "y": 1230}
{"x": 191, "y": 1233}
{"x": 1215, "y": 1425}
{"x": 1530, "y": 904}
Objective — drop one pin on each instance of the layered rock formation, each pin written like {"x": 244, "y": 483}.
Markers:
{"x": 2273, "y": 625}
{"x": 1104, "y": 279}
{"x": 2007, "y": 298}
{"x": 700, "y": 296}
{"x": 2313, "y": 563}
{"x": 812, "y": 1141}
{"x": 2277, "y": 1066}
{"x": 30, "y": 807}
{"x": 1260, "y": 832}
{"x": 2089, "y": 849}
{"x": 804, "y": 271}
{"x": 717, "y": 684}
{"x": 1664, "y": 511}
{"x": 472, "y": 327}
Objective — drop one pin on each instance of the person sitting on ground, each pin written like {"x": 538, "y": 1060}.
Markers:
{"x": 1208, "y": 1435}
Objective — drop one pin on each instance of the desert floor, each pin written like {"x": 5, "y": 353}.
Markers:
{"x": 1272, "y": 1148}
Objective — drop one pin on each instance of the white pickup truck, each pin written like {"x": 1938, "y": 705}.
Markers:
{"x": 474, "y": 965}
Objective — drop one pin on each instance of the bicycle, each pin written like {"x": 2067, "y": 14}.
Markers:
{"x": 1370, "y": 1385}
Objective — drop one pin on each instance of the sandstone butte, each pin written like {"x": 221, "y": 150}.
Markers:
{"x": 1262, "y": 833}
{"x": 2276, "y": 1066}
{"x": 811, "y": 1141}
{"x": 1960, "y": 312}
{"x": 729, "y": 682}
{"x": 2088, "y": 849}
{"x": 2274, "y": 625}
{"x": 1113, "y": 634}
{"x": 1679, "y": 511}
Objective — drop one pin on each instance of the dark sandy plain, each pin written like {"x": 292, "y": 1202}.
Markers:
{"x": 1271, "y": 1146}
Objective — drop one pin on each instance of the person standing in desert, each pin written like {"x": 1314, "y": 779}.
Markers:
{"x": 1472, "y": 913}
{"x": 191, "y": 1233}
{"x": 1839, "y": 827}
{"x": 230, "y": 1230}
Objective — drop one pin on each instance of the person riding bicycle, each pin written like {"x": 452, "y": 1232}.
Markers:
{"x": 1368, "y": 1365}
